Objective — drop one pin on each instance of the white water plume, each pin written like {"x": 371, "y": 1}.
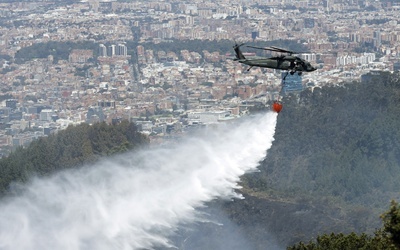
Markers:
{"x": 136, "y": 200}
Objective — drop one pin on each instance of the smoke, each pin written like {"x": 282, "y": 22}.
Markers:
{"x": 136, "y": 200}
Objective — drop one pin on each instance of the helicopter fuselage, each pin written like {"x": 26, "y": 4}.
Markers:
{"x": 283, "y": 62}
{"x": 267, "y": 63}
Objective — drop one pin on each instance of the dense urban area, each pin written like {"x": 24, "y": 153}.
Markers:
{"x": 68, "y": 62}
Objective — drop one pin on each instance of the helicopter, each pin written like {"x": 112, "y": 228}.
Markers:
{"x": 287, "y": 62}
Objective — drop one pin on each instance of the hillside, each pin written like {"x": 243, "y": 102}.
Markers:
{"x": 69, "y": 148}
{"x": 333, "y": 167}
{"x": 339, "y": 141}
{"x": 336, "y": 148}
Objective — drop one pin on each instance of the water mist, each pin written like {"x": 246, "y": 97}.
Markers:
{"x": 136, "y": 200}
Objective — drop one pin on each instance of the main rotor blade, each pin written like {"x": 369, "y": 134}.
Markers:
{"x": 270, "y": 49}
{"x": 276, "y": 49}
{"x": 284, "y": 50}
{"x": 289, "y": 51}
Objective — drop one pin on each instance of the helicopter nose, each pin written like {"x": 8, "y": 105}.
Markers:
{"x": 313, "y": 68}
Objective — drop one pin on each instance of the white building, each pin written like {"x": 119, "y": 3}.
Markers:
{"x": 45, "y": 115}
{"x": 208, "y": 117}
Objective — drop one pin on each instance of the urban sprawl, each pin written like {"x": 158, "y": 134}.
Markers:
{"x": 167, "y": 92}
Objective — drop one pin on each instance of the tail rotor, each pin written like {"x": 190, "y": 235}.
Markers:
{"x": 239, "y": 55}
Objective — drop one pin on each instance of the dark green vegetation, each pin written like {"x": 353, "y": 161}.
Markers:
{"x": 335, "y": 157}
{"x": 59, "y": 50}
{"x": 223, "y": 46}
{"x": 69, "y": 148}
{"x": 342, "y": 142}
{"x": 387, "y": 238}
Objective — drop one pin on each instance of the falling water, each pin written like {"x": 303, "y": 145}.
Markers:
{"x": 138, "y": 199}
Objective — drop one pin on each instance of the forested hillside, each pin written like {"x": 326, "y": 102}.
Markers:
{"x": 339, "y": 141}
{"x": 59, "y": 50}
{"x": 337, "y": 149}
{"x": 385, "y": 238}
{"x": 69, "y": 148}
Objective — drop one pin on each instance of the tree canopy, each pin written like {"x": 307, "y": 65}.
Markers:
{"x": 342, "y": 141}
{"x": 59, "y": 50}
{"x": 386, "y": 238}
{"x": 69, "y": 148}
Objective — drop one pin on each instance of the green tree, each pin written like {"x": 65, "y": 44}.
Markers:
{"x": 69, "y": 148}
{"x": 391, "y": 220}
{"x": 387, "y": 238}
